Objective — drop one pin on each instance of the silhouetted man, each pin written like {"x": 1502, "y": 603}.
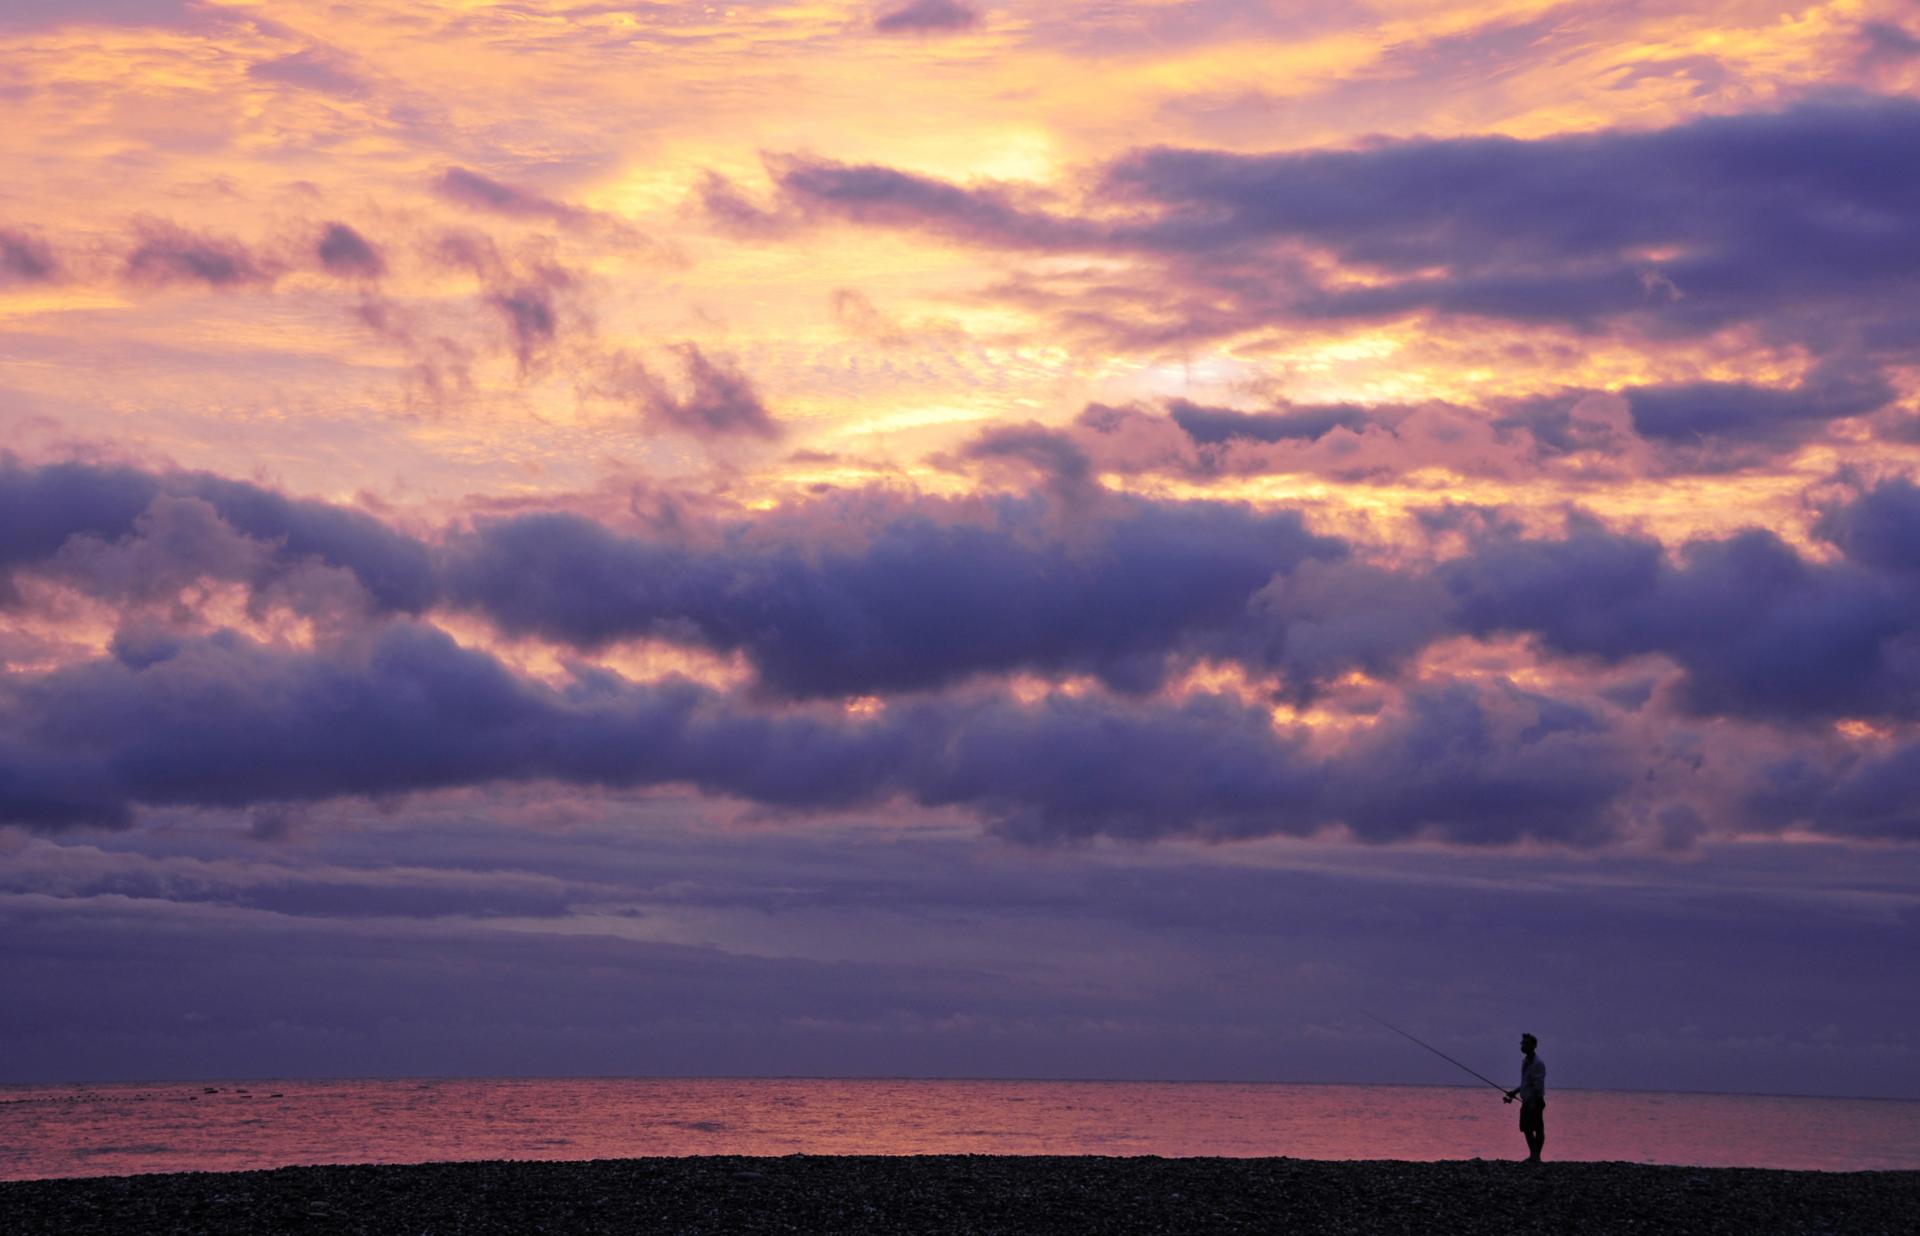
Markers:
{"x": 1532, "y": 1092}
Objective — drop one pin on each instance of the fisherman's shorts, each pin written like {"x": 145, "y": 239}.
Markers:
{"x": 1533, "y": 1117}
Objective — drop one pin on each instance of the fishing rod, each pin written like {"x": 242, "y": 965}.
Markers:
{"x": 1436, "y": 1051}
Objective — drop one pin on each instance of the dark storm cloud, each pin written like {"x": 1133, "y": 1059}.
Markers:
{"x": 1212, "y": 426}
{"x": 25, "y": 258}
{"x": 1701, "y": 426}
{"x": 1552, "y": 228}
{"x": 1735, "y": 411}
{"x": 1875, "y": 798}
{"x": 41, "y": 507}
{"x": 69, "y": 516}
{"x": 923, "y": 595}
{"x": 1718, "y": 220}
{"x": 167, "y": 254}
{"x": 345, "y": 252}
{"x": 1443, "y": 764}
{"x": 916, "y": 597}
{"x": 1759, "y": 631}
{"x": 1328, "y": 618}
{"x": 225, "y": 722}
{"x": 1879, "y": 529}
{"x": 464, "y": 187}
{"x": 395, "y": 569}
{"x": 920, "y": 604}
{"x": 924, "y": 16}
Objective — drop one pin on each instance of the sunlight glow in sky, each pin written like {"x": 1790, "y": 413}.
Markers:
{"x": 954, "y": 538}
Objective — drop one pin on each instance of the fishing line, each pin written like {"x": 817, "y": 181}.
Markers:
{"x": 1436, "y": 1051}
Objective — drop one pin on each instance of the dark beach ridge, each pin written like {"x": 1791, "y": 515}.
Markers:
{"x": 971, "y": 1194}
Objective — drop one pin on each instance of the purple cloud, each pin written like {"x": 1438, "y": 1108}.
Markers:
{"x": 922, "y": 604}
{"x": 926, "y": 17}
{"x": 717, "y": 399}
{"x": 167, "y": 254}
{"x": 222, "y": 721}
{"x": 25, "y": 259}
{"x": 468, "y": 188}
{"x": 65, "y": 516}
{"x": 313, "y": 68}
{"x": 346, "y": 253}
{"x": 1552, "y": 230}
{"x": 1213, "y": 426}
{"x": 929, "y": 595}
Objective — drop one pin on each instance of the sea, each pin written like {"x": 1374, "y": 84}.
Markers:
{"x": 119, "y": 1129}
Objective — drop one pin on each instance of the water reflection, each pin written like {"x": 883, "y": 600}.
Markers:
{"x": 109, "y": 1130}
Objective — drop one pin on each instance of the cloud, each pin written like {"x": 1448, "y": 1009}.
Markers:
{"x": 722, "y": 203}
{"x": 924, "y": 602}
{"x": 119, "y": 531}
{"x": 313, "y": 68}
{"x": 1885, "y": 44}
{"x": 223, "y": 721}
{"x": 25, "y": 259}
{"x": 1678, "y": 229}
{"x": 716, "y": 400}
{"x": 1056, "y": 458}
{"x": 47, "y": 14}
{"x": 1759, "y": 631}
{"x": 1741, "y": 412}
{"x": 1879, "y": 529}
{"x": 1357, "y": 443}
{"x": 1213, "y": 426}
{"x": 1674, "y": 428}
{"x": 719, "y": 400}
{"x": 41, "y": 508}
{"x": 531, "y": 317}
{"x": 883, "y": 196}
{"x": 1484, "y": 767}
{"x": 439, "y": 364}
{"x": 532, "y": 295}
{"x": 468, "y": 188}
{"x": 927, "y": 16}
{"x": 1865, "y": 797}
{"x": 377, "y": 949}
{"x": 167, "y": 254}
{"x": 832, "y": 599}
{"x": 346, "y": 253}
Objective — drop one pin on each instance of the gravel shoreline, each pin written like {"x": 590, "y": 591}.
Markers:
{"x": 970, "y": 1194}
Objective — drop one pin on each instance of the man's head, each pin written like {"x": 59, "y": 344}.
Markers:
{"x": 1528, "y": 1043}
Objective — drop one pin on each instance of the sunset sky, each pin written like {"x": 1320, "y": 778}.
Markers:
{"x": 1098, "y": 538}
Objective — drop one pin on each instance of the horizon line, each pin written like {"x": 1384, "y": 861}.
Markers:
{"x": 904, "y": 1077}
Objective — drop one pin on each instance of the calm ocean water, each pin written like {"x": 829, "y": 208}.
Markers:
{"x": 116, "y": 1129}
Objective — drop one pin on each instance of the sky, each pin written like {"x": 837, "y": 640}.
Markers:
{"x": 1098, "y": 538}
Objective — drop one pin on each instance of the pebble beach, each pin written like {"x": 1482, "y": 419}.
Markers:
{"x": 969, "y": 1194}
